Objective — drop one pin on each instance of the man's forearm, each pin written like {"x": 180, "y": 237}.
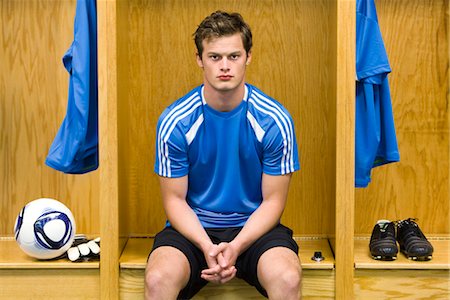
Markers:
{"x": 260, "y": 222}
{"x": 268, "y": 214}
{"x": 184, "y": 220}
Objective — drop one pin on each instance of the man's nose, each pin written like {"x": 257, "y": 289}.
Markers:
{"x": 225, "y": 64}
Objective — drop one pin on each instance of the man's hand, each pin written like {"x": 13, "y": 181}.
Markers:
{"x": 220, "y": 259}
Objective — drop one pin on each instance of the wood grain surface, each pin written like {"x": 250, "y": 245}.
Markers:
{"x": 316, "y": 284}
{"x": 344, "y": 210}
{"x": 416, "y": 38}
{"x": 292, "y": 58}
{"x": 54, "y": 284}
{"x": 402, "y": 284}
{"x": 34, "y": 36}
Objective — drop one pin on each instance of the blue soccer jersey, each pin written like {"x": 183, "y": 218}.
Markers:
{"x": 75, "y": 147}
{"x": 225, "y": 153}
{"x": 375, "y": 138}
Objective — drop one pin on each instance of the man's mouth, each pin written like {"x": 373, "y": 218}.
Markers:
{"x": 225, "y": 77}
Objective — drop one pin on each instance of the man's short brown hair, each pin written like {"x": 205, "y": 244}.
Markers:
{"x": 220, "y": 24}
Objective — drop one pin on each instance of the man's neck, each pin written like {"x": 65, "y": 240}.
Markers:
{"x": 223, "y": 100}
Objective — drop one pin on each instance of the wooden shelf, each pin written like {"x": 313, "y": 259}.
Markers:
{"x": 440, "y": 261}
{"x": 137, "y": 250}
{"x": 135, "y": 254}
{"x": 12, "y": 257}
{"x": 41, "y": 277}
{"x": 307, "y": 248}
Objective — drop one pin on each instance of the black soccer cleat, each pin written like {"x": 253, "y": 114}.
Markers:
{"x": 383, "y": 245}
{"x": 412, "y": 241}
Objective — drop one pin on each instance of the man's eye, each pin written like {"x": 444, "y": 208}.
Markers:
{"x": 234, "y": 57}
{"x": 214, "y": 57}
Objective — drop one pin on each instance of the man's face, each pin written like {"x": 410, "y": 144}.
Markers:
{"x": 224, "y": 62}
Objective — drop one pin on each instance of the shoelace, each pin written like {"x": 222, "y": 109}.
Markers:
{"x": 411, "y": 222}
{"x": 383, "y": 230}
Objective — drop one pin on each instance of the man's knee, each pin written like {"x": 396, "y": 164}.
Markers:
{"x": 280, "y": 273}
{"x": 166, "y": 274}
{"x": 290, "y": 280}
{"x": 154, "y": 279}
{"x": 285, "y": 284}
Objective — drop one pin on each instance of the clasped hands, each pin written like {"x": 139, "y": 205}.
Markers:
{"x": 221, "y": 261}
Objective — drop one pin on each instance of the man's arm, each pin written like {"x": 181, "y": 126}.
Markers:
{"x": 185, "y": 221}
{"x": 180, "y": 214}
{"x": 274, "y": 191}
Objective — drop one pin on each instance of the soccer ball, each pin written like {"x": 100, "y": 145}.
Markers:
{"x": 45, "y": 228}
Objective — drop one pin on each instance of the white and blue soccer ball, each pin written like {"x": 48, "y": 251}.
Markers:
{"x": 45, "y": 228}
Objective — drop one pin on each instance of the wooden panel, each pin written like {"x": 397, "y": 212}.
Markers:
{"x": 417, "y": 42}
{"x": 345, "y": 145}
{"x": 316, "y": 284}
{"x": 108, "y": 139}
{"x": 49, "y": 284}
{"x": 402, "y": 284}
{"x": 291, "y": 61}
{"x": 34, "y": 36}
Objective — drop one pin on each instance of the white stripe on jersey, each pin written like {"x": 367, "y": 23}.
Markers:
{"x": 259, "y": 132}
{"x": 190, "y": 135}
{"x": 290, "y": 129}
{"x": 283, "y": 122}
{"x": 167, "y": 125}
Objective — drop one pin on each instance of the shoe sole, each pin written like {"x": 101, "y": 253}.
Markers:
{"x": 384, "y": 258}
{"x": 419, "y": 258}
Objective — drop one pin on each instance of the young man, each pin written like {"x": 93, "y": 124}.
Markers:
{"x": 225, "y": 154}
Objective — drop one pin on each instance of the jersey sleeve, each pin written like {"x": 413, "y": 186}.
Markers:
{"x": 372, "y": 62}
{"x": 280, "y": 154}
{"x": 171, "y": 150}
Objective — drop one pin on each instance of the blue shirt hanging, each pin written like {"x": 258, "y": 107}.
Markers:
{"x": 375, "y": 138}
{"x": 75, "y": 147}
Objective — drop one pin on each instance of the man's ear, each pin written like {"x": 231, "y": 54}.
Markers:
{"x": 199, "y": 60}
{"x": 249, "y": 57}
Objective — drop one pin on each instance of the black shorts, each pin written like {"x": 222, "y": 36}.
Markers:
{"x": 246, "y": 263}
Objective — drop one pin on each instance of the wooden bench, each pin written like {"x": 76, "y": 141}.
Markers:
{"x": 318, "y": 277}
